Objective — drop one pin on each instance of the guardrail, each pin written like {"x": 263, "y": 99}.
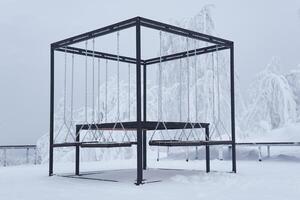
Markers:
{"x": 268, "y": 145}
{"x": 4, "y": 148}
{"x": 259, "y": 145}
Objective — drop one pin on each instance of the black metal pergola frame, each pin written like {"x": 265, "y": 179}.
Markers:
{"x": 141, "y": 125}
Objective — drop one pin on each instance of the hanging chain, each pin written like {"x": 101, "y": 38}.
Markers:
{"x": 160, "y": 79}
{"x": 196, "y": 88}
{"x": 72, "y": 91}
{"x": 129, "y": 91}
{"x": 159, "y": 96}
{"x": 65, "y": 86}
{"x": 98, "y": 92}
{"x": 218, "y": 83}
{"x": 106, "y": 80}
{"x": 93, "y": 83}
{"x": 188, "y": 79}
{"x": 118, "y": 76}
{"x": 180, "y": 90}
{"x": 213, "y": 87}
{"x": 196, "y": 85}
{"x": 213, "y": 95}
{"x": 86, "y": 82}
{"x": 64, "y": 124}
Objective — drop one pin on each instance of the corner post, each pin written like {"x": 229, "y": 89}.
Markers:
{"x": 232, "y": 106}
{"x": 77, "y": 151}
{"x": 207, "y": 150}
{"x": 144, "y": 116}
{"x": 51, "y": 131}
{"x": 139, "y": 131}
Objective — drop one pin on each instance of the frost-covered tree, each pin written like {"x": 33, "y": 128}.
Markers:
{"x": 271, "y": 102}
{"x": 293, "y": 78}
{"x": 212, "y": 79}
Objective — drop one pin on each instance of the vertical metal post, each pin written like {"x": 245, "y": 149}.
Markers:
{"x": 207, "y": 153}
{"x": 221, "y": 153}
{"x": 77, "y": 150}
{"x": 269, "y": 151}
{"x": 27, "y": 155}
{"x": 145, "y": 116}
{"x": 232, "y": 106}
{"x": 259, "y": 154}
{"x": 4, "y": 158}
{"x": 196, "y": 153}
{"x": 51, "y": 131}
{"x": 139, "y": 131}
{"x": 229, "y": 152}
{"x": 35, "y": 155}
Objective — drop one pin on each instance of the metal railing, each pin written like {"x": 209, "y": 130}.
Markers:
{"x": 5, "y": 148}
{"x": 259, "y": 146}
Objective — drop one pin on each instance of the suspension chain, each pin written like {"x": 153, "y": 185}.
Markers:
{"x": 129, "y": 81}
{"x": 160, "y": 79}
{"x": 106, "y": 80}
{"x": 86, "y": 83}
{"x": 98, "y": 92}
{"x": 118, "y": 76}
{"x": 188, "y": 79}
{"x": 93, "y": 82}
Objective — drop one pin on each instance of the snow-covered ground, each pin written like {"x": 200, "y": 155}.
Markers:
{"x": 269, "y": 179}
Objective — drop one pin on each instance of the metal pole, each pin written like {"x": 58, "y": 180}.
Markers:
{"x": 27, "y": 155}
{"x": 229, "y": 152}
{"x": 259, "y": 154}
{"x": 35, "y": 155}
{"x": 4, "y": 157}
{"x": 269, "y": 151}
{"x": 77, "y": 151}
{"x": 51, "y": 131}
{"x": 232, "y": 106}
{"x": 145, "y": 117}
{"x": 207, "y": 153}
{"x": 139, "y": 131}
{"x": 221, "y": 153}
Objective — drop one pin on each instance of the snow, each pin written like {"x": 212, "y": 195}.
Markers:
{"x": 255, "y": 180}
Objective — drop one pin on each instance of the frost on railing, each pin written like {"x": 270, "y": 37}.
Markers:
{"x": 18, "y": 155}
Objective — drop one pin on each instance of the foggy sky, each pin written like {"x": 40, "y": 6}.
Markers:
{"x": 260, "y": 30}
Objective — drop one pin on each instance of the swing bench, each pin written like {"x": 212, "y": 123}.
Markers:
{"x": 105, "y": 144}
{"x": 148, "y": 125}
{"x": 180, "y": 143}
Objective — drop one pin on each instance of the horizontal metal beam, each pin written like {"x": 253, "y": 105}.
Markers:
{"x": 146, "y": 23}
{"x": 96, "y": 33}
{"x": 26, "y": 146}
{"x": 269, "y": 143}
{"x": 66, "y": 144}
{"x": 185, "y": 54}
{"x": 183, "y": 32}
{"x": 98, "y": 54}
